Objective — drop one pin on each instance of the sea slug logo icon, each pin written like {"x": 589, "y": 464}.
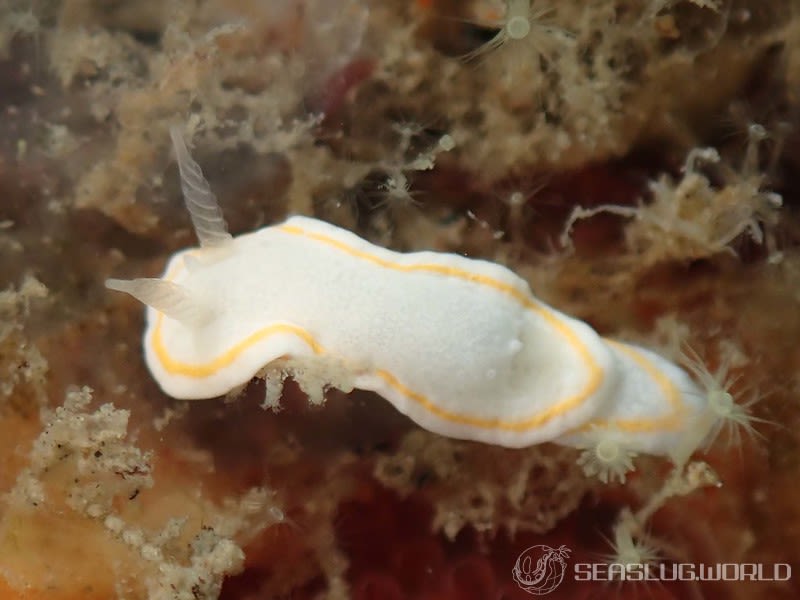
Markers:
{"x": 540, "y": 569}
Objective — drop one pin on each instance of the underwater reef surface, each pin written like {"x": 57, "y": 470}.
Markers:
{"x": 636, "y": 162}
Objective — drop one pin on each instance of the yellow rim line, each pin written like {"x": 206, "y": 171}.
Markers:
{"x": 670, "y": 421}
{"x": 517, "y": 426}
{"x": 484, "y": 280}
{"x": 176, "y": 367}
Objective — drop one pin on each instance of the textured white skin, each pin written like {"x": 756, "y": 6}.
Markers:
{"x": 639, "y": 396}
{"x": 469, "y": 349}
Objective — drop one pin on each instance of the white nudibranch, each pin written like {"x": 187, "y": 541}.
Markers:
{"x": 461, "y": 346}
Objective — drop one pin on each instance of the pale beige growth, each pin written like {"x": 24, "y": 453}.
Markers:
{"x": 691, "y": 218}
{"x": 89, "y": 445}
{"x": 22, "y": 366}
{"x": 486, "y": 487}
{"x": 212, "y": 557}
{"x": 17, "y": 18}
{"x": 400, "y": 168}
{"x": 313, "y": 376}
{"x": 266, "y": 62}
{"x": 87, "y": 479}
{"x": 632, "y": 544}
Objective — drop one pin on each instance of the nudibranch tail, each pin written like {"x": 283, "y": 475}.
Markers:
{"x": 172, "y": 299}
{"x": 204, "y": 210}
{"x": 650, "y": 409}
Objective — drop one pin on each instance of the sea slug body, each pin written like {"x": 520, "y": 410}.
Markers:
{"x": 459, "y": 345}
